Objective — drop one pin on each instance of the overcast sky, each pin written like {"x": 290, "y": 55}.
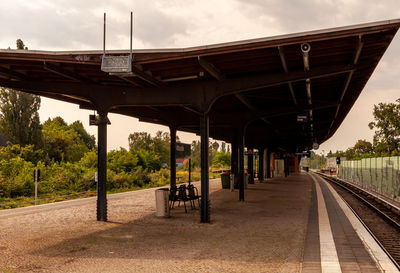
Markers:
{"x": 77, "y": 25}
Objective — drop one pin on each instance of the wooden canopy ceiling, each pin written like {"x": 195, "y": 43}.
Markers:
{"x": 260, "y": 85}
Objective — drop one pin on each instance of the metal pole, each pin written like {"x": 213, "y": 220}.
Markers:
{"x": 36, "y": 186}
{"x": 190, "y": 167}
{"x": 261, "y": 164}
{"x": 268, "y": 163}
{"x": 250, "y": 165}
{"x": 205, "y": 202}
{"x": 361, "y": 176}
{"x": 104, "y": 35}
{"x": 381, "y": 174}
{"x": 131, "y": 32}
{"x": 235, "y": 162}
{"x": 102, "y": 168}
{"x": 172, "y": 155}
{"x": 370, "y": 172}
{"x": 241, "y": 165}
{"x": 392, "y": 163}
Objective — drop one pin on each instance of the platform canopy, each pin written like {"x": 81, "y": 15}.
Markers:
{"x": 260, "y": 85}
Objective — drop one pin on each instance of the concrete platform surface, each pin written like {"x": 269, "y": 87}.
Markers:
{"x": 269, "y": 232}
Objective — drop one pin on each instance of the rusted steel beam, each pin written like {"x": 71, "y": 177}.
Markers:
{"x": 356, "y": 57}
{"x": 210, "y": 68}
{"x": 248, "y": 104}
{"x": 202, "y": 95}
{"x": 285, "y": 68}
{"x": 12, "y": 74}
{"x": 146, "y": 77}
{"x": 56, "y": 69}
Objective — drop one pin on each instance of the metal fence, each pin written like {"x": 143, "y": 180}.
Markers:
{"x": 380, "y": 175}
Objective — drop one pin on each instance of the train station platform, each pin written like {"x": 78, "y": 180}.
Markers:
{"x": 292, "y": 224}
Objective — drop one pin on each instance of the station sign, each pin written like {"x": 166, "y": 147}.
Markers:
{"x": 304, "y": 154}
{"x": 302, "y": 117}
{"x": 116, "y": 64}
{"x": 182, "y": 150}
{"x": 92, "y": 120}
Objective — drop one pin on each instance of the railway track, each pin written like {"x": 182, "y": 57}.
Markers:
{"x": 380, "y": 218}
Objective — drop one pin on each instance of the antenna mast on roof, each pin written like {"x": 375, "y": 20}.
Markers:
{"x": 104, "y": 36}
{"x": 131, "y": 32}
{"x": 117, "y": 64}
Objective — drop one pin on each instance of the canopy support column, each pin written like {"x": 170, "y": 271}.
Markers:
{"x": 102, "y": 168}
{"x": 268, "y": 163}
{"x": 250, "y": 165}
{"x": 235, "y": 162}
{"x": 173, "y": 156}
{"x": 205, "y": 203}
{"x": 260, "y": 164}
{"x": 241, "y": 165}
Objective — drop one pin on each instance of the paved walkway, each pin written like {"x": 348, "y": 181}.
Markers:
{"x": 269, "y": 232}
{"x": 263, "y": 234}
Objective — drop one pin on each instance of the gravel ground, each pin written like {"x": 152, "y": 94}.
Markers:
{"x": 265, "y": 233}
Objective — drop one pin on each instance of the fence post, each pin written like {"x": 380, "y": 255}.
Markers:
{"x": 381, "y": 191}
{"x": 370, "y": 171}
{"x": 361, "y": 176}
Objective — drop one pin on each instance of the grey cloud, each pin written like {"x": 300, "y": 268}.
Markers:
{"x": 300, "y": 15}
{"x": 77, "y": 27}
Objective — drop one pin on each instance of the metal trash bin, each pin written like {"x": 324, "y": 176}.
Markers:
{"x": 162, "y": 202}
{"x": 225, "y": 180}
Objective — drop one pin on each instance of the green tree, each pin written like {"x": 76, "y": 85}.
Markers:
{"x": 28, "y": 153}
{"x": 158, "y": 145}
{"x": 89, "y": 140}
{"x": 63, "y": 142}
{"x": 162, "y": 146}
{"x": 121, "y": 161}
{"x": 387, "y": 125}
{"x": 196, "y": 153}
{"x": 140, "y": 141}
{"x": 222, "y": 159}
{"x": 19, "y": 117}
{"x": 21, "y": 45}
{"x": 363, "y": 147}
